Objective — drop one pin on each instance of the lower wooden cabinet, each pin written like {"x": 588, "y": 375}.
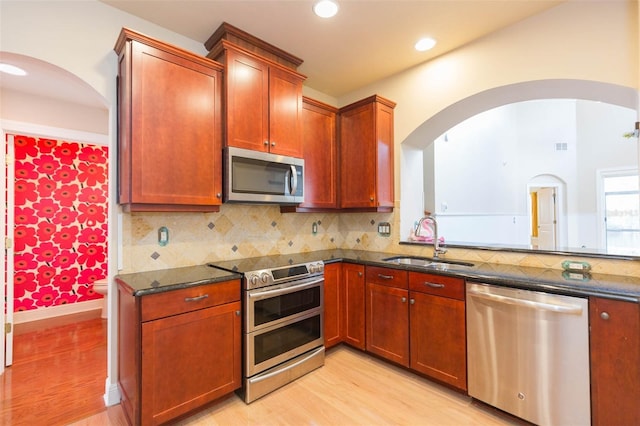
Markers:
{"x": 178, "y": 350}
{"x": 353, "y": 307}
{"x": 615, "y": 362}
{"x": 438, "y": 339}
{"x": 332, "y": 303}
{"x": 387, "y": 313}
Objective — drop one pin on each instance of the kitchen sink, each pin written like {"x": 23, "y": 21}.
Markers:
{"x": 427, "y": 262}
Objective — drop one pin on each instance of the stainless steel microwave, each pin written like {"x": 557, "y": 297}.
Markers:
{"x": 262, "y": 177}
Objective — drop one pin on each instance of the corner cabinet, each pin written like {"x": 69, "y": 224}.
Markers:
{"x": 352, "y": 313}
{"x": 262, "y": 92}
{"x": 332, "y": 303}
{"x": 169, "y": 127}
{"x": 366, "y": 155}
{"x": 615, "y": 362}
{"x": 178, "y": 350}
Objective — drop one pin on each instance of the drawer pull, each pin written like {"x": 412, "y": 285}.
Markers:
{"x": 385, "y": 277}
{"x": 195, "y": 299}
{"x": 433, "y": 285}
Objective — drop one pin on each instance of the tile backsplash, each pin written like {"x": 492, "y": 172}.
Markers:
{"x": 239, "y": 231}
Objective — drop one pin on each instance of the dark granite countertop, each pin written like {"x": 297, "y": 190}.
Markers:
{"x": 143, "y": 283}
{"x": 550, "y": 280}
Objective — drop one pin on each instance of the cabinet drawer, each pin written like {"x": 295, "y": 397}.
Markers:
{"x": 438, "y": 285}
{"x": 386, "y": 276}
{"x": 189, "y": 299}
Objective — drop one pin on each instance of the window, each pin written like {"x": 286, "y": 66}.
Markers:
{"x": 622, "y": 214}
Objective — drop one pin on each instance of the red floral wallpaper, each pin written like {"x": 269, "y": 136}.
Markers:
{"x": 60, "y": 235}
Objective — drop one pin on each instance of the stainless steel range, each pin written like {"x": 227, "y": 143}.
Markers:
{"x": 283, "y": 338}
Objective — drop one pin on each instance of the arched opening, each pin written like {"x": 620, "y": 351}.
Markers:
{"x": 607, "y": 112}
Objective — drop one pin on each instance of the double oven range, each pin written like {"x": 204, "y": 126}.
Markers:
{"x": 283, "y": 305}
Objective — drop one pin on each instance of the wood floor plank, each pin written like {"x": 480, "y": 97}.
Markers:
{"x": 59, "y": 372}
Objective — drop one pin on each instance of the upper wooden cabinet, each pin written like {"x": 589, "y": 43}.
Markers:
{"x": 263, "y": 96}
{"x": 170, "y": 132}
{"x": 320, "y": 156}
{"x": 366, "y": 155}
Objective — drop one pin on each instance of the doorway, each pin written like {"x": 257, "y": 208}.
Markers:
{"x": 56, "y": 221}
{"x": 619, "y": 211}
{"x": 544, "y": 213}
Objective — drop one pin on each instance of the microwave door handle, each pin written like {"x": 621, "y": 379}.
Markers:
{"x": 294, "y": 180}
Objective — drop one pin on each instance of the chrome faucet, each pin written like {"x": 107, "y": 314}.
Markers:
{"x": 436, "y": 242}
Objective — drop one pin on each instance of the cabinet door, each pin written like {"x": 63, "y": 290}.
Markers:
{"x": 438, "y": 343}
{"x": 320, "y": 155}
{"x": 615, "y": 362}
{"x": 357, "y": 158}
{"x": 285, "y": 112}
{"x": 247, "y": 102}
{"x": 175, "y": 141}
{"x": 189, "y": 360}
{"x": 353, "y": 328}
{"x": 385, "y": 158}
{"x": 332, "y": 302}
{"x": 388, "y": 322}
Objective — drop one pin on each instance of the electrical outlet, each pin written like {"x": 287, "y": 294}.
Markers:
{"x": 163, "y": 236}
{"x": 384, "y": 229}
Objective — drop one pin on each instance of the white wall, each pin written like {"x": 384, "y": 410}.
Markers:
{"x": 484, "y": 166}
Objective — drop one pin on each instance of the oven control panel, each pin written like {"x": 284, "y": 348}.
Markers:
{"x": 267, "y": 277}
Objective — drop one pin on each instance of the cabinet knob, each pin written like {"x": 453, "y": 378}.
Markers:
{"x": 371, "y": 199}
{"x": 359, "y": 274}
{"x": 237, "y": 313}
{"x": 404, "y": 299}
{"x": 273, "y": 144}
{"x": 266, "y": 143}
{"x": 604, "y": 315}
{"x": 412, "y": 301}
{"x": 219, "y": 195}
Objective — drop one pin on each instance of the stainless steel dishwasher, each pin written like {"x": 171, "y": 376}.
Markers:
{"x": 528, "y": 353}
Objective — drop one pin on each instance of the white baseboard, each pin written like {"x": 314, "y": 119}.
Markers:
{"x": 111, "y": 393}
{"x": 56, "y": 311}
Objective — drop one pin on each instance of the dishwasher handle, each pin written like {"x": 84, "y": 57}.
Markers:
{"x": 562, "y": 309}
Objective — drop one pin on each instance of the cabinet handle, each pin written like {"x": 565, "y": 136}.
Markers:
{"x": 359, "y": 274}
{"x": 371, "y": 199}
{"x": 412, "y": 301}
{"x": 433, "y": 285}
{"x": 219, "y": 195}
{"x": 604, "y": 315}
{"x": 385, "y": 277}
{"x": 404, "y": 299}
{"x": 273, "y": 144}
{"x": 237, "y": 313}
{"x": 195, "y": 299}
{"x": 266, "y": 143}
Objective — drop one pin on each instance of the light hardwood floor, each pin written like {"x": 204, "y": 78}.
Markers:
{"x": 352, "y": 388}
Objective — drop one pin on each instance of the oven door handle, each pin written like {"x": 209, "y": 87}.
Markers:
{"x": 284, "y": 290}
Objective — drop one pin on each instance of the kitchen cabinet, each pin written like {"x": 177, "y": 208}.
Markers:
{"x": 332, "y": 304}
{"x": 320, "y": 157}
{"x": 263, "y": 96}
{"x": 170, "y": 130}
{"x": 178, "y": 350}
{"x": 615, "y": 366}
{"x": 387, "y": 312}
{"x": 366, "y": 155}
{"x": 437, "y": 330}
{"x": 353, "y": 306}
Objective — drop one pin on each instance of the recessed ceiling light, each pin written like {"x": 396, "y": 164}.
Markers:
{"x": 11, "y": 69}
{"x": 425, "y": 44}
{"x": 325, "y": 8}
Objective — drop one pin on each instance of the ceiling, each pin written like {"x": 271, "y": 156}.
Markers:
{"x": 366, "y": 41}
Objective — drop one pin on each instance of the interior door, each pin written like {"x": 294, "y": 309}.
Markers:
{"x": 547, "y": 218}
{"x": 6, "y": 315}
